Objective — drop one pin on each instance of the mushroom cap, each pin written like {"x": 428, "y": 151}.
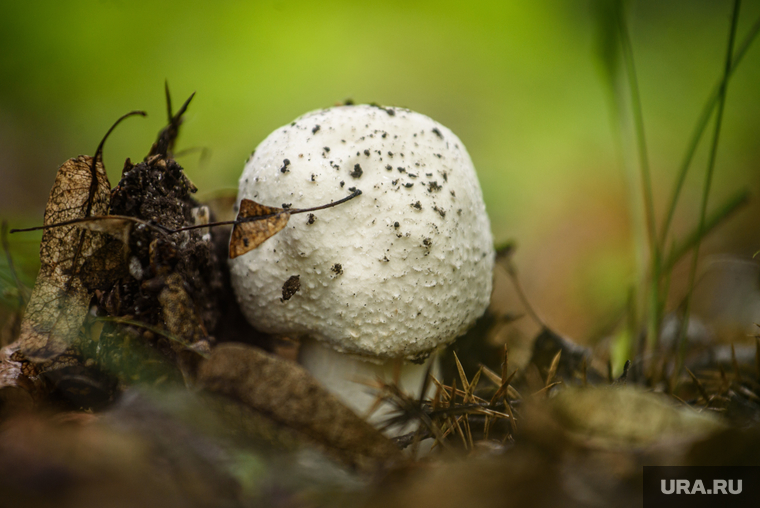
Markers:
{"x": 394, "y": 273}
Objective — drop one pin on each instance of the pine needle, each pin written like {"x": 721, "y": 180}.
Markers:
{"x": 553, "y": 368}
{"x": 699, "y": 386}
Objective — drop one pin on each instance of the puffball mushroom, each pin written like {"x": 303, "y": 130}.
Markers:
{"x": 387, "y": 277}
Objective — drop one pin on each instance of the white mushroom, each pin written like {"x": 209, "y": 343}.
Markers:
{"x": 388, "y": 276}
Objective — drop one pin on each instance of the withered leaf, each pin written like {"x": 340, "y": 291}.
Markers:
{"x": 109, "y": 262}
{"x": 289, "y": 395}
{"x": 20, "y": 385}
{"x": 246, "y": 236}
{"x": 113, "y": 225}
{"x": 59, "y": 301}
{"x": 104, "y": 266}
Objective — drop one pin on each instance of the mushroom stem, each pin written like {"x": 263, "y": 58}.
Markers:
{"x": 351, "y": 379}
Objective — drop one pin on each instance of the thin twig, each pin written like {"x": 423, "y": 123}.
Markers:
{"x": 96, "y": 218}
{"x": 164, "y": 229}
{"x": 291, "y": 211}
{"x": 94, "y": 184}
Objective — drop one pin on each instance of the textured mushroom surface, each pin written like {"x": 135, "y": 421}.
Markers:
{"x": 395, "y": 272}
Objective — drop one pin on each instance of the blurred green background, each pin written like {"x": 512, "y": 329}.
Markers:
{"x": 521, "y": 83}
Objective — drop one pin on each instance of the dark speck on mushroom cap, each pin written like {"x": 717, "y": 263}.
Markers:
{"x": 434, "y": 275}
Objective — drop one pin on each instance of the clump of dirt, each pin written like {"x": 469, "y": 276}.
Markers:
{"x": 156, "y": 190}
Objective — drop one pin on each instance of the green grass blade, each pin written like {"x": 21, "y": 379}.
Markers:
{"x": 654, "y": 300}
{"x": 680, "y": 249}
{"x": 638, "y": 119}
{"x": 616, "y": 49}
{"x": 704, "y": 118}
{"x": 708, "y": 182}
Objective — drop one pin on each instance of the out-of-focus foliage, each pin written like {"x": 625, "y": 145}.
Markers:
{"x": 522, "y": 83}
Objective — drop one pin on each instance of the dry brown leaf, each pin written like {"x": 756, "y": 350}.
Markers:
{"x": 59, "y": 301}
{"x": 114, "y": 225}
{"x": 246, "y": 236}
{"x": 290, "y": 396}
{"x": 19, "y": 385}
{"x": 106, "y": 265}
